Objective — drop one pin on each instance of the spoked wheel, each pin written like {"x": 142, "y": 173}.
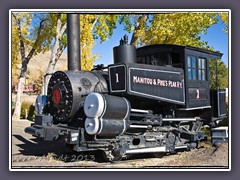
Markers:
{"x": 109, "y": 156}
{"x": 193, "y": 145}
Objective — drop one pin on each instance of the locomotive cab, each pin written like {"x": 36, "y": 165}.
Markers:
{"x": 195, "y": 63}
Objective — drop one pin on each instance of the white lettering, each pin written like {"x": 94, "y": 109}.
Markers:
{"x": 117, "y": 80}
{"x": 197, "y": 94}
{"x": 157, "y": 82}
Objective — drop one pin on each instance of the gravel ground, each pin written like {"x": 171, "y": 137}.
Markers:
{"x": 28, "y": 152}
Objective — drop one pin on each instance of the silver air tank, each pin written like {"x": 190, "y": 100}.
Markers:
{"x": 124, "y": 53}
{"x": 106, "y": 115}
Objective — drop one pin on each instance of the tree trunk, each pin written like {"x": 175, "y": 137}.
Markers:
{"x": 17, "y": 110}
{"x": 51, "y": 65}
{"x": 18, "y": 105}
{"x": 51, "y": 68}
{"x": 136, "y": 28}
{"x": 55, "y": 54}
{"x": 24, "y": 65}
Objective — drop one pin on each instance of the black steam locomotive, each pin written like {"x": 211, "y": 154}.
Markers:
{"x": 153, "y": 99}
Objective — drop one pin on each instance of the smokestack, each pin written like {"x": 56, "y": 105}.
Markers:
{"x": 124, "y": 53}
{"x": 73, "y": 38}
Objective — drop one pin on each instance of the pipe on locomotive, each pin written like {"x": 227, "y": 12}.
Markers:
{"x": 73, "y": 39}
{"x": 124, "y": 53}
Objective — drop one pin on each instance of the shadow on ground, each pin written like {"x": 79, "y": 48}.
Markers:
{"x": 36, "y": 146}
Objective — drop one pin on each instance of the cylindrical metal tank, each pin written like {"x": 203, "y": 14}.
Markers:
{"x": 124, "y": 53}
{"x": 66, "y": 90}
{"x": 106, "y": 115}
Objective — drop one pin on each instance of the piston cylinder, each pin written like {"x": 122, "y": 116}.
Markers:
{"x": 106, "y": 115}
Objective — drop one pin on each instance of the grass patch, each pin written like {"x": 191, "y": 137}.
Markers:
{"x": 27, "y": 111}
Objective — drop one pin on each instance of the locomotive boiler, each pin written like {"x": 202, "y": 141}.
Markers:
{"x": 153, "y": 99}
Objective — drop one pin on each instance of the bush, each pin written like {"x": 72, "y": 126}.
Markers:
{"x": 30, "y": 110}
{"x": 224, "y": 122}
{"x": 206, "y": 130}
{"x": 13, "y": 107}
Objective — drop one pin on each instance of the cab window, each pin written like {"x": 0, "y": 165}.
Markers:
{"x": 201, "y": 69}
{"x": 192, "y": 67}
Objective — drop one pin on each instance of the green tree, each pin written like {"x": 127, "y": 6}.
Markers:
{"x": 92, "y": 26}
{"x": 179, "y": 29}
{"x": 173, "y": 28}
{"x": 29, "y": 31}
{"x": 225, "y": 18}
{"x": 222, "y": 74}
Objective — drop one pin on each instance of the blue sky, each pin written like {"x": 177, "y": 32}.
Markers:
{"x": 106, "y": 48}
{"x": 218, "y": 39}
{"x": 215, "y": 37}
